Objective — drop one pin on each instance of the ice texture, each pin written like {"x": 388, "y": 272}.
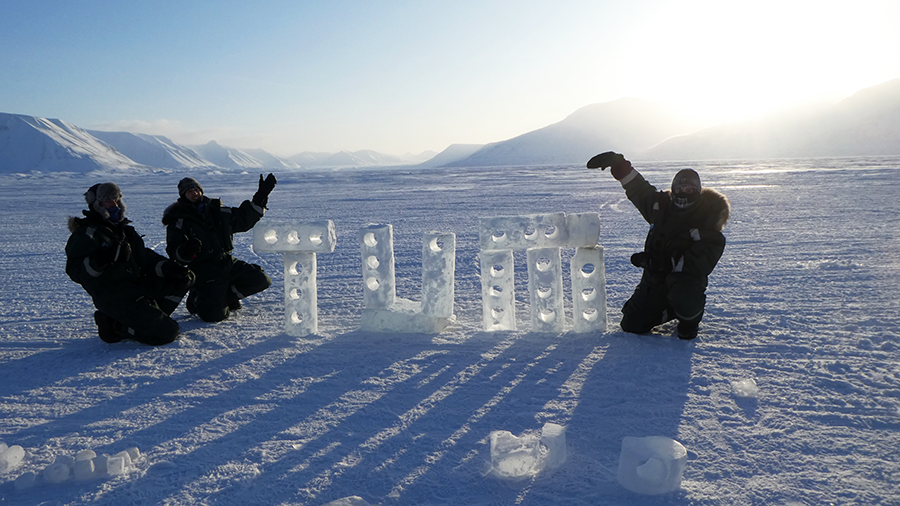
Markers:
{"x": 588, "y": 274}
{"x": 83, "y": 469}
{"x": 553, "y": 437}
{"x": 377, "y": 248}
{"x": 583, "y": 230}
{"x": 56, "y": 473}
{"x": 115, "y": 465}
{"x": 301, "y": 304}
{"x": 523, "y": 232}
{"x": 651, "y": 465}
{"x": 302, "y": 237}
{"x": 745, "y": 388}
{"x": 438, "y": 273}
{"x": 546, "y": 291}
{"x": 515, "y": 457}
{"x": 404, "y": 316}
{"x": 85, "y": 455}
{"x": 11, "y": 458}
{"x": 497, "y": 290}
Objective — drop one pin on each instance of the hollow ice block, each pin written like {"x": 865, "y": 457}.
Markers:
{"x": 523, "y": 232}
{"x": 546, "y": 290}
{"x": 438, "y": 273}
{"x": 377, "y": 248}
{"x": 306, "y": 237}
{"x": 300, "y": 294}
{"x": 651, "y": 465}
{"x": 497, "y": 290}
{"x": 588, "y": 274}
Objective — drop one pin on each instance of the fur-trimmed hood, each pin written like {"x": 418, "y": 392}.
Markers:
{"x": 717, "y": 207}
{"x": 74, "y": 223}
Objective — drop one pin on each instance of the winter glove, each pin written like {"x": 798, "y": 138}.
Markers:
{"x": 619, "y": 167}
{"x": 104, "y": 256}
{"x": 261, "y": 197}
{"x": 189, "y": 250}
{"x": 656, "y": 262}
{"x": 181, "y": 276}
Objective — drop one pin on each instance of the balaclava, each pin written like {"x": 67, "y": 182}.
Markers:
{"x": 686, "y": 188}
{"x": 106, "y": 191}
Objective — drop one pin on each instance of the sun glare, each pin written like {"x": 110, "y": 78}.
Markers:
{"x": 723, "y": 61}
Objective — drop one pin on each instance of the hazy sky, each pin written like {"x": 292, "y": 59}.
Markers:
{"x": 408, "y": 76}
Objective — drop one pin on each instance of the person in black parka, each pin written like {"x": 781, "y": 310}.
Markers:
{"x": 682, "y": 247}
{"x": 200, "y": 234}
{"x": 133, "y": 288}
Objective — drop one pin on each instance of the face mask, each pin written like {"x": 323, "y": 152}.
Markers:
{"x": 115, "y": 214}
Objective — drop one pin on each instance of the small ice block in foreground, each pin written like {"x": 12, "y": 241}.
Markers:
{"x": 115, "y": 465}
{"x": 56, "y": 473}
{"x": 83, "y": 469}
{"x": 745, "y": 388}
{"x": 11, "y": 458}
{"x": 651, "y": 465}
{"x": 553, "y": 437}
{"x": 515, "y": 457}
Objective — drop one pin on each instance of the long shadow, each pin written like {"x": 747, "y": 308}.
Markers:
{"x": 454, "y": 414}
{"x": 349, "y": 367}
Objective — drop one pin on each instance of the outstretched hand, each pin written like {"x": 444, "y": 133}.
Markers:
{"x": 261, "y": 197}
{"x": 619, "y": 167}
{"x": 604, "y": 160}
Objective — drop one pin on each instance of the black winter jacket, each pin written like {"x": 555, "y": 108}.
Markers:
{"x": 214, "y": 226}
{"x": 93, "y": 232}
{"x": 692, "y": 238}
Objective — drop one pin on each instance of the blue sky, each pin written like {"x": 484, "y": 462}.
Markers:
{"x": 408, "y": 76}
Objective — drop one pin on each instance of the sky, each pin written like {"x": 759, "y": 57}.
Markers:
{"x": 403, "y": 77}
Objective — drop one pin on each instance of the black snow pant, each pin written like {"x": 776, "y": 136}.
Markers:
{"x": 142, "y": 308}
{"x": 223, "y": 283}
{"x": 660, "y": 298}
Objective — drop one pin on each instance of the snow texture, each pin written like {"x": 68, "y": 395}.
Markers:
{"x": 804, "y": 302}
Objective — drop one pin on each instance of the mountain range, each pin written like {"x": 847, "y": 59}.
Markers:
{"x": 866, "y": 123}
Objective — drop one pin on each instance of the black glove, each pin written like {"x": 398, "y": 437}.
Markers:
{"x": 104, "y": 256}
{"x": 619, "y": 166}
{"x": 261, "y": 197}
{"x": 189, "y": 250}
{"x": 657, "y": 262}
{"x": 174, "y": 270}
{"x": 181, "y": 276}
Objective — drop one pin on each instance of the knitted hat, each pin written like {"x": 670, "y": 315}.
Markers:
{"x": 186, "y": 184}
{"x": 686, "y": 188}
{"x": 102, "y": 192}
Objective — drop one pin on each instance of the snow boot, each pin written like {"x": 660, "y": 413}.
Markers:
{"x": 688, "y": 330}
{"x": 107, "y": 328}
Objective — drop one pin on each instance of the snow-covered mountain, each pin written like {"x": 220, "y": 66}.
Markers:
{"x": 363, "y": 158}
{"x": 30, "y": 144}
{"x": 626, "y": 125}
{"x": 153, "y": 150}
{"x": 866, "y": 123}
{"x": 270, "y": 161}
{"x": 229, "y": 158}
{"x": 453, "y": 153}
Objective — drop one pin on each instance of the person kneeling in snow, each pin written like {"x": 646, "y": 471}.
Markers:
{"x": 200, "y": 234}
{"x": 133, "y": 288}
{"x": 682, "y": 248}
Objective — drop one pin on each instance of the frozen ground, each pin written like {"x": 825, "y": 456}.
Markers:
{"x": 805, "y": 302}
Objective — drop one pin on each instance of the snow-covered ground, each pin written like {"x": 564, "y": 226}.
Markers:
{"x": 805, "y": 302}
